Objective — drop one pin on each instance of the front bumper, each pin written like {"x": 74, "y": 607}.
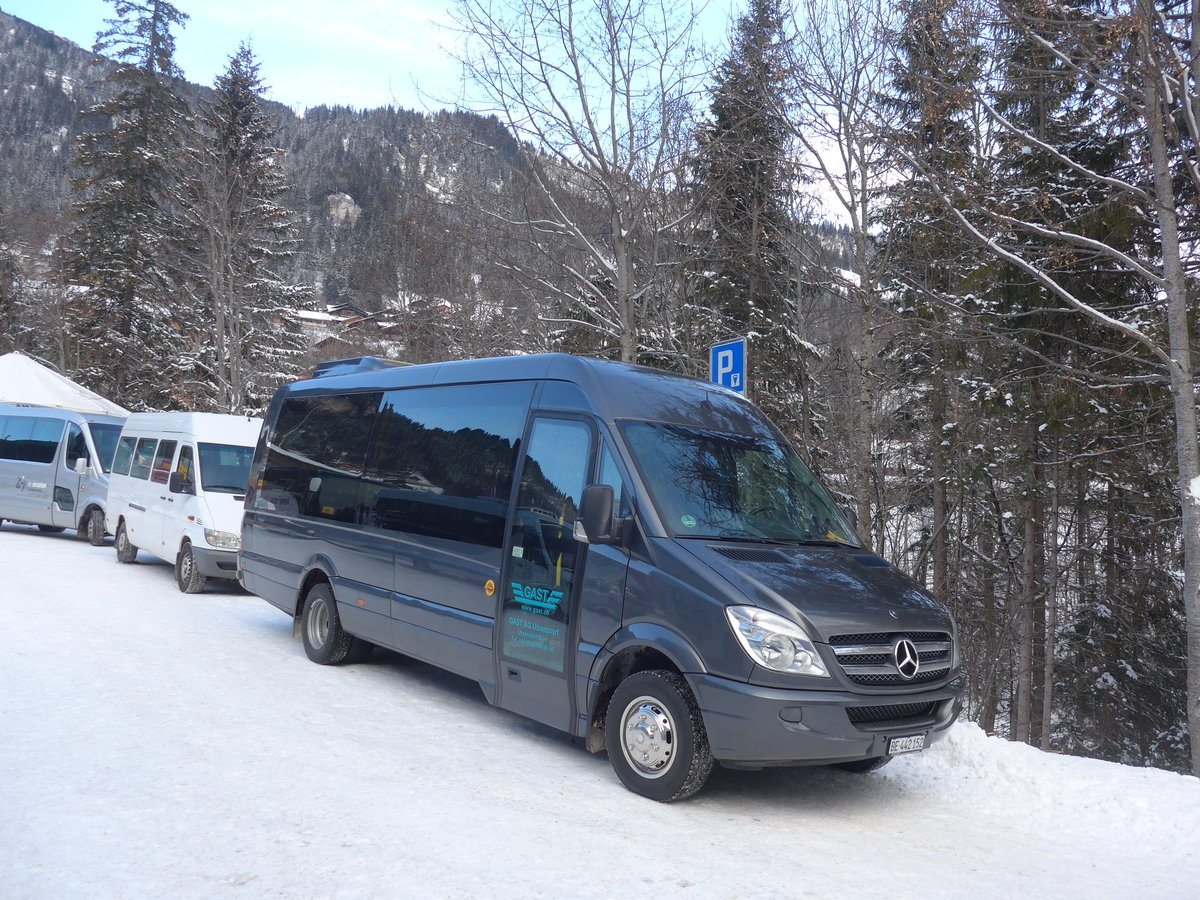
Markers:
{"x": 750, "y": 726}
{"x": 216, "y": 563}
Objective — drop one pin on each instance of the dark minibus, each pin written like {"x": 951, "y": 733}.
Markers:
{"x": 637, "y": 558}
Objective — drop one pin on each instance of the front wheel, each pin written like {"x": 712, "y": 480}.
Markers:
{"x": 95, "y": 528}
{"x": 126, "y": 552}
{"x": 324, "y": 640}
{"x": 655, "y": 735}
{"x": 187, "y": 573}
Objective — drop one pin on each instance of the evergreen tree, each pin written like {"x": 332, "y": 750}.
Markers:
{"x": 9, "y": 285}
{"x": 240, "y": 236}
{"x": 122, "y": 245}
{"x": 741, "y": 270}
{"x": 936, "y": 62}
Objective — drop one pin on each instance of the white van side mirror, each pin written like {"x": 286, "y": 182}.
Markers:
{"x": 80, "y": 466}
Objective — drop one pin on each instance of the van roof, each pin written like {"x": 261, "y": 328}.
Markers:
{"x": 8, "y": 408}
{"x": 206, "y": 427}
{"x": 612, "y": 390}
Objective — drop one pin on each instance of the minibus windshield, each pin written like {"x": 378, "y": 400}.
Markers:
{"x": 105, "y": 439}
{"x": 709, "y": 484}
{"x": 225, "y": 468}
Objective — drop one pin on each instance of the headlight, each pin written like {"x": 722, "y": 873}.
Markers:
{"x": 774, "y": 642}
{"x": 223, "y": 539}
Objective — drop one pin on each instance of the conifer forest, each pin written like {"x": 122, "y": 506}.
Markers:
{"x": 959, "y": 235}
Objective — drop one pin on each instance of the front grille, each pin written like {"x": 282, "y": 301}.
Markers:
{"x": 894, "y": 713}
{"x": 867, "y": 659}
{"x": 885, "y": 637}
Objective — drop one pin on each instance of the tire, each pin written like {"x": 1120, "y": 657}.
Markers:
{"x": 864, "y": 765}
{"x": 51, "y": 529}
{"x": 126, "y": 552}
{"x": 324, "y": 640}
{"x": 187, "y": 573}
{"x": 95, "y": 528}
{"x": 655, "y": 735}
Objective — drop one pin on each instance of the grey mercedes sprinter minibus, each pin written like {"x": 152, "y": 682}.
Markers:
{"x": 637, "y": 558}
{"x": 54, "y": 467}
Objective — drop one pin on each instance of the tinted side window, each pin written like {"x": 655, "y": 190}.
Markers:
{"x": 76, "y": 446}
{"x": 611, "y": 475}
{"x": 124, "y": 456}
{"x": 30, "y": 438}
{"x": 441, "y": 464}
{"x": 315, "y": 456}
{"x": 143, "y": 457}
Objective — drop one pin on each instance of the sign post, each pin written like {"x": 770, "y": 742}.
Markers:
{"x": 727, "y": 364}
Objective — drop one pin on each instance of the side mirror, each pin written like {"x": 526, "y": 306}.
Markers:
{"x": 851, "y": 516}
{"x": 177, "y": 485}
{"x": 80, "y": 466}
{"x": 595, "y": 522}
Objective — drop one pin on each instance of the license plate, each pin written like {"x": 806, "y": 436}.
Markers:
{"x": 906, "y": 744}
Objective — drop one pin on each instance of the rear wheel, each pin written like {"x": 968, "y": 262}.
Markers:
{"x": 95, "y": 528}
{"x": 324, "y": 640}
{"x": 187, "y": 573}
{"x": 656, "y": 739}
{"x": 126, "y": 552}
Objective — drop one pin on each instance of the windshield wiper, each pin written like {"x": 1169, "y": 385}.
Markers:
{"x": 812, "y": 540}
{"x": 819, "y": 541}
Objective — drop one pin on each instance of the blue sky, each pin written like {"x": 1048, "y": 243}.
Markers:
{"x": 361, "y": 53}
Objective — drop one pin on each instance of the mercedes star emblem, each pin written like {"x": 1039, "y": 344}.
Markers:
{"x": 904, "y": 653}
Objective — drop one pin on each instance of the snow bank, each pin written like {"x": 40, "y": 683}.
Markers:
{"x": 155, "y": 744}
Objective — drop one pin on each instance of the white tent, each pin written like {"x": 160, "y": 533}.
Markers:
{"x": 24, "y": 380}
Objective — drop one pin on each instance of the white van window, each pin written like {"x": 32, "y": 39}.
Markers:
{"x": 104, "y": 438}
{"x": 124, "y": 456}
{"x": 225, "y": 468}
{"x": 185, "y": 464}
{"x": 143, "y": 457}
{"x": 162, "y": 462}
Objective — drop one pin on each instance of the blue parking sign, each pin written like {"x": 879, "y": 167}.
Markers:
{"x": 727, "y": 364}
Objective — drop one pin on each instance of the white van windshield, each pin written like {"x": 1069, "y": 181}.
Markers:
{"x": 708, "y": 484}
{"x": 105, "y": 439}
{"x": 225, "y": 468}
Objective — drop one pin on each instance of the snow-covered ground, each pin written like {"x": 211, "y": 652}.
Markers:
{"x": 156, "y": 744}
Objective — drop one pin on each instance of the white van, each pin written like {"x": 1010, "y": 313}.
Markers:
{"x": 54, "y": 467}
{"x": 178, "y": 483}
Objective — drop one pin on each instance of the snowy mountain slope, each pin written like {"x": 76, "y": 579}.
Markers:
{"x": 155, "y": 744}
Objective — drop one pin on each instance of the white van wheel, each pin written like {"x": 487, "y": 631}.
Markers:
{"x": 95, "y": 528}
{"x": 656, "y": 739}
{"x": 187, "y": 573}
{"x": 126, "y": 552}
